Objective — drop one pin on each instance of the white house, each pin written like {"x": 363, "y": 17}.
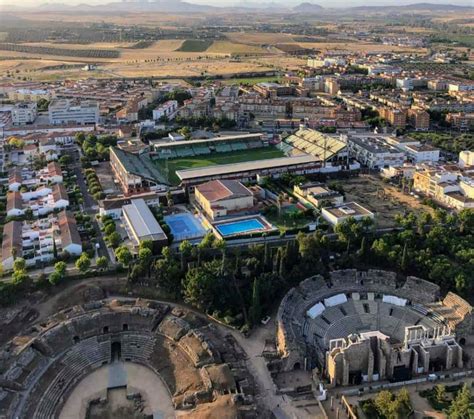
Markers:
{"x": 339, "y": 213}
{"x": 168, "y": 109}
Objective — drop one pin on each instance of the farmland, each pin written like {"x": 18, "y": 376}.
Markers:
{"x": 65, "y": 52}
{"x": 194, "y": 45}
{"x": 172, "y": 165}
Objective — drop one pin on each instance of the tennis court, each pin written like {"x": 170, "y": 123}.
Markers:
{"x": 185, "y": 226}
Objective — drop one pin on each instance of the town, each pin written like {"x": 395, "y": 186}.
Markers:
{"x": 282, "y": 242}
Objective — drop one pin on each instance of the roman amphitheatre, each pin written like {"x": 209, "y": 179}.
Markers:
{"x": 124, "y": 358}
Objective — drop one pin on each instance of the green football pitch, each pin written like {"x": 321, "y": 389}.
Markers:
{"x": 169, "y": 167}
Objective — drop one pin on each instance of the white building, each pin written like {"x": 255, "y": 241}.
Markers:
{"x": 65, "y": 111}
{"x": 326, "y": 62}
{"x": 422, "y": 153}
{"x": 339, "y": 213}
{"x": 168, "y": 110}
{"x": 374, "y": 151}
{"x": 24, "y": 113}
{"x": 141, "y": 224}
{"x": 466, "y": 159}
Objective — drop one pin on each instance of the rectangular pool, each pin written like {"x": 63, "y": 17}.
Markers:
{"x": 238, "y": 227}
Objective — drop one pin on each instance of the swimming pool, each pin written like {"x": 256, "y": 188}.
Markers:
{"x": 242, "y": 226}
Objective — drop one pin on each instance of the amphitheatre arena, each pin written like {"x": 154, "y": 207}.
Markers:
{"x": 124, "y": 358}
{"x": 357, "y": 327}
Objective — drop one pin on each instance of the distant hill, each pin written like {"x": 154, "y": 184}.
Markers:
{"x": 308, "y": 8}
{"x": 173, "y": 6}
{"x": 428, "y": 7}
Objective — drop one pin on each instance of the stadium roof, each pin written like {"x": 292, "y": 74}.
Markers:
{"x": 139, "y": 165}
{"x": 225, "y": 169}
{"x": 142, "y": 221}
{"x": 186, "y": 143}
{"x": 320, "y": 145}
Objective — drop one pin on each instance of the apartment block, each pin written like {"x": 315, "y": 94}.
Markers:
{"x": 419, "y": 119}
{"x": 374, "y": 151}
{"x": 66, "y": 111}
{"x": 167, "y": 110}
{"x": 24, "y": 113}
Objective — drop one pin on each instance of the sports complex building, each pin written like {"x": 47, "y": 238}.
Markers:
{"x": 358, "y": 327}
{"x": 239, "y": 157}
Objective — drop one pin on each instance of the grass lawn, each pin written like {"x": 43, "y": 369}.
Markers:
{"x": 290, "y": 217}
{"x": 195, "y": 45}
{"x": 216, "y": 159}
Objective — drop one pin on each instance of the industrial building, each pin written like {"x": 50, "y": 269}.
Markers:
{"x": 141, "y": 224}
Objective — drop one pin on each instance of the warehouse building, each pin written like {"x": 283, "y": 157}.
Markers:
{"x": 141, "y": 224}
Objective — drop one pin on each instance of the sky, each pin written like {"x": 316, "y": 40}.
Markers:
{"x": 324, "y": 3}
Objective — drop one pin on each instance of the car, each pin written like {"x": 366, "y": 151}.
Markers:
{"x": 265, "y": 320}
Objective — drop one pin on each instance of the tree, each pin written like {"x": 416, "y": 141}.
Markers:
{"x": 19, "y": 265}
{"x": 404, "y": 259}
{"x": 221, "y": 245}
{"x": 280, "y": 200}
{"x": 109, "y": 229}
{"x": 199, "y": 287}
{"x": 146, "y": 244}
{"x": 255, "y": 308}
{"x": 145, "y": 256}
{"x": 387, "y": 405}
{"x": 60, "y": 268}
{"x": 114, "y": 239}
{"x": 185, "y": 249}
{"x": 102, "y": 262}
{"x": 466, "y": 221}
{"x": 363, "y": 249}
{"x": 83, "y": 263}
{"x": 168, "y": 276}
{"x": 54, "y": 278}
{"x": 123, "y": 255}
{"x": 65, "y": 160}
{"x": 440, "y": 393}
{"x": 169, "y": 199}
{"x": 460, "y": 406}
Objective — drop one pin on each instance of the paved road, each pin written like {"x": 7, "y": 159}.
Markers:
{"x": 90, "y": 204}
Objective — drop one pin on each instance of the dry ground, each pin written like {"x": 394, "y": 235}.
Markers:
{"x": 159, "y": 60}
{"x": 382, "y": 199}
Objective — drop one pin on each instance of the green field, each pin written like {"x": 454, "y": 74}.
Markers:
{"x": 195, "y": 45}
{"x": 215, "y": 159}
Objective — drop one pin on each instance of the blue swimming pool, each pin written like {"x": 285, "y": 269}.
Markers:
{"x": 238, "y": 227}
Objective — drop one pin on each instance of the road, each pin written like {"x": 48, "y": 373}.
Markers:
{"x": 90, "y": 204}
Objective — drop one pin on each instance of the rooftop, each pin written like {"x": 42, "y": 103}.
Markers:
{"x": 348, "y": 209}
{"x": 143, "y": 221}
{"x": 218, "y": 190}
{"x": 225, "y": 169}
